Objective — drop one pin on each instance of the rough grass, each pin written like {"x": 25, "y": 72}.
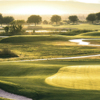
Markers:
{"x": 28, "y": 79}
{"x": 97, "y": 42}
{"x": 35, "y": 47}
{"x": 77, "y": 77}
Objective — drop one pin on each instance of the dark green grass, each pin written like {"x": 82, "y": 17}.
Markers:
{"x": 28, "y": 79}
{"x": 36, "y": 38}
{"x": 75, "y": 32}
{"x": 6, "y": 53}
{"x": 91, "y": 34}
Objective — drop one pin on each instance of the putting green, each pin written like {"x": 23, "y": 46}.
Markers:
{"x": 77, "y": 77}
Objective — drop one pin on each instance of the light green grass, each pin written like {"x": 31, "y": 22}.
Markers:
{"x": 85, "y": 77}
{"x": 28, "y": 79}
{"x": 78, "y": 26}
{"x": 4, "y": 99}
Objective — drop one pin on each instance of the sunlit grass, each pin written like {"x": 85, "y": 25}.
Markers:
{"x": 78, "y": 26}
{"x": 77, "y": 77}
{"x": 28, "y": 79}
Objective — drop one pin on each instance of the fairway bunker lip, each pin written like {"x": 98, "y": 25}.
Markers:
{"x": 8, "y": 95}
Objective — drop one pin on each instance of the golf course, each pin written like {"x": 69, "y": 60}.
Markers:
{"x": 51, "y": 66}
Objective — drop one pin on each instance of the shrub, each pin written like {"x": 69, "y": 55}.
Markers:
{"x": 6, "y": 53}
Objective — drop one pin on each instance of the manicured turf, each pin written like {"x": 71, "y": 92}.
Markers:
{"x": 86, "y": 77}
{"x": 28, "y": 79}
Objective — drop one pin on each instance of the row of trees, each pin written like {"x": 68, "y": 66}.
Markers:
{"x": 34, "y": 19}
{"x": 55, "y": 18}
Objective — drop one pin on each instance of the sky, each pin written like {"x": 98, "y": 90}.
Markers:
{"x": 49, "y": 7}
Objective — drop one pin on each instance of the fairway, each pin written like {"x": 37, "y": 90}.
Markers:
{"x": 77, "y": 77}
{"x": 50, "y": 79}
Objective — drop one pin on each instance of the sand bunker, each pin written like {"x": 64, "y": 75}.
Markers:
{"x": 12, "y": 96}
{"x": 77, "y": 77}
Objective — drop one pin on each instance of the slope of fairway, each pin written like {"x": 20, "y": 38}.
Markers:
{"x": 77, "y": 77}
{"x": 96, "y": 33}
{"x": 30, "y": 38}
{"x": 28, "y": 79}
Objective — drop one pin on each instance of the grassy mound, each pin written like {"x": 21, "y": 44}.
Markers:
{"x": 91, "y": 34}
{"x": 31, "y": 38}
{"x": 77, "y": 77}
{"x": 6, "y": 53}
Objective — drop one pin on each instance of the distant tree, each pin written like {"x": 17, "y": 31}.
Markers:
{"x": 91, "y": 17}
{"x": 55, "y": 18}
{"x": 34, "y": 19}
{"x": 98, "y": 16}
{"x": 1, "y": 19}
{"x": 45, "y": 22}
{"x": 7, "y": 19}
{"x": 73, "y": 18}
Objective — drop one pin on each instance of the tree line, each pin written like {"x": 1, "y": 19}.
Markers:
{"x": 55, "y": 18}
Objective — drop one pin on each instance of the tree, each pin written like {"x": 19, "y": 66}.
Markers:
{"x": 98, "y": 16}
{"x": 7, "y": 19}
{"x": 6, "y": 29}
{"x": 91, "y": 17}
{"x": 73, "y": 18}
{"x": 1, "y": 19}
{"x": 55, "y": 18}
{"x": 34, "y": 19}
{"x": 45, "y": 22}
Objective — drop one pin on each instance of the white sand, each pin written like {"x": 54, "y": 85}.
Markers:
{"x": 8, "y": 95}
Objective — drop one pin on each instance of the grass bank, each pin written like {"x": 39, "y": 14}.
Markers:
{"x": 28, "y": 79}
